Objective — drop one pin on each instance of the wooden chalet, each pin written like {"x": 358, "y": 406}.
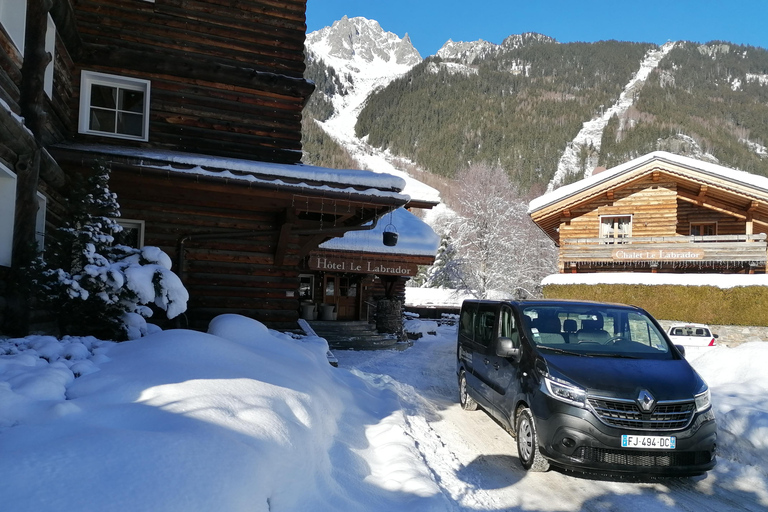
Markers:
{"x": 659, "y": 213}
{"x": 195, "y": 107}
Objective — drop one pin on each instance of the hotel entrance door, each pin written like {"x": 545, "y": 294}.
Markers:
{"x": 344, "y": 293}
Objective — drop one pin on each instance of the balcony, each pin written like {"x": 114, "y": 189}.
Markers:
{"x": 743, "y": 249}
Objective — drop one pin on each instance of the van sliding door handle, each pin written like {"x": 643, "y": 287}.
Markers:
{"x": 486, "y": 361}
{"x": 495, "y": 366}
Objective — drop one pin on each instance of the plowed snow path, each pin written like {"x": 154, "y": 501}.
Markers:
{"x": 475, "y": 462}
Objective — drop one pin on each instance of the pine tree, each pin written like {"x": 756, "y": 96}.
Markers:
{"x": 444, "y": 273}
{"x": 95, "y": 287}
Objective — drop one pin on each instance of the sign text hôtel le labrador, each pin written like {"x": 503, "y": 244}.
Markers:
{"x": 361, "y": 265}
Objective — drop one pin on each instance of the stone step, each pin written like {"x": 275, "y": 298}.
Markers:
{"x": 355, "y": 336}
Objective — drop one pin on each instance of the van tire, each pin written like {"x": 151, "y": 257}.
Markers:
{"x": 528, "y": 442}
{"x": 467, "y": 402}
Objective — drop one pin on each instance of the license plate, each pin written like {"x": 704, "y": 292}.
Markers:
{"x": 649, "y": 442}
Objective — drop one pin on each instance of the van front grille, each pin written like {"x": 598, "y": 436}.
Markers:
{"x": 626, "y": 414}
{"x": 646, "y": 459}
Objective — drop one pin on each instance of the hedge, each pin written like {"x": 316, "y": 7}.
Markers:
{"x": 742, "y": 305}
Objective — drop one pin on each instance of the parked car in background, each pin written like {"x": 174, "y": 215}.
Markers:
{"x": 692, "y": 335}
{"x": 585, "y": 386}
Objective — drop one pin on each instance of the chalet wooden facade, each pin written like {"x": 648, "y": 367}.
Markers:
{"x": 195, "y": 107}
{"x": 659, "y": 213}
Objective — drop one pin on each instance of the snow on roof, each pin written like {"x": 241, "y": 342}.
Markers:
{"x": 415, "y": 238}
{"x": 415, "y": 189}
{"x": 254, "y": 171}
{"x": 719, "y": 171}
{"x": 648, "y": 278}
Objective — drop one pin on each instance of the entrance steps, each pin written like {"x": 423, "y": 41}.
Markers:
{"x": 358, "y": 335}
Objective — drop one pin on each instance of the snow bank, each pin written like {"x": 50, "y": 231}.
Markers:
{"x": 241, "y": 418}
{"x": 736, "y": 377}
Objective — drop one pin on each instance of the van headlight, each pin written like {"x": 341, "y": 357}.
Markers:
{"x": 703, "y": 401}
{"x": 564, "y": 391}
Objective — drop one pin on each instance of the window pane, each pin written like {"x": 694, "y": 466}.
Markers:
{"x": 102, "y": 120}
{"x": 131, "y": 101}
{"x": 103, "y": 96}
{"x": 130, "y": 124}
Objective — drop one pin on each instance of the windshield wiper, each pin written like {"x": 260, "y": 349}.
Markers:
{"x": 561, "y": 351}
{"x": 616, "y": 355}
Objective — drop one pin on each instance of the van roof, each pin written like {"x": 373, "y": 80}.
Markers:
{"x": 552, "y": 302}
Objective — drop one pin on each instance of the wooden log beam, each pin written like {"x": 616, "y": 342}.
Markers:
{"x": 713, "y": 204}
{"x": 195, "y": 69}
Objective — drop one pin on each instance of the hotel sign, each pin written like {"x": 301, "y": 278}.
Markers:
{"x": 657, "y": 254}
{"x": 361, "y": 265}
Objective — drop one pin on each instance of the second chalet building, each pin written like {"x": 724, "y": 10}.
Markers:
{"x": 659, "y": 213}
{"x": 195, "y": 108}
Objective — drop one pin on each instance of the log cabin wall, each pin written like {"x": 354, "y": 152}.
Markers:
{"x": 59, "y": 121}
{"x": 226, "y": 77}
{"x": 652, "y": 204}
{"x": 689, "y": 213}
{"x": 223, "y": 275}
{"x": 10, "y": 71}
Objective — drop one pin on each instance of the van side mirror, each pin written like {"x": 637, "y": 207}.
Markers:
{"x": 505, "y": 348}
{"x": 681, "y": 349}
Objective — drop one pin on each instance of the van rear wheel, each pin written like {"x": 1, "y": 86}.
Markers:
{"x": 467, "y": 402}
{"x": 528, "y": 442}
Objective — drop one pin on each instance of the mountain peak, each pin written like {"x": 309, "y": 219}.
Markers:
{"x": 466, "y": 52}
{"x": 363, "y": 40}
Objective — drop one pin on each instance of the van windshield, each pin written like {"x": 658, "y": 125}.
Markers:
{"x": 595, "y": 330}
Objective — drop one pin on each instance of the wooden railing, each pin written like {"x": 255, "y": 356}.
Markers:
{"x": 722, "y": 248}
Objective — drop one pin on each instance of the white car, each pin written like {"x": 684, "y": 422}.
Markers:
{"x": 692, "y": 335}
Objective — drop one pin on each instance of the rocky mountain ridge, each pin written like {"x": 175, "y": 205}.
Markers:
{"x": 547, "y": 112}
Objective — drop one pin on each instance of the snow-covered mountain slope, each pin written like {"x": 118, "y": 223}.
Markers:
{"x": 591, "y": 134}
{"x": 467, "y": 52}
{"x": 367, "y": 59}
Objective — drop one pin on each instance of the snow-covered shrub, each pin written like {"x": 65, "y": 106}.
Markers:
{"x": 95, "y": 287}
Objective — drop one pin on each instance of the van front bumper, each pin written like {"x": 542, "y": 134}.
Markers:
{"x": 574, "y": 438}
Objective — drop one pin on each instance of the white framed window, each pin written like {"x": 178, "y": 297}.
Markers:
{"x": 132, "y": 234}
{"x": 114, "y": 106}
{"x": 7, "y": 213}
{"x": 50, "y": 47}
{"x": 13, "y": 18}
{"x": 615, "y": 228}
{"x": 306, "y": 286}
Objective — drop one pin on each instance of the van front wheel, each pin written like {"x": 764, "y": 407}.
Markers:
{"x": 528, "y": 443}
{"x": 467, "y": 402}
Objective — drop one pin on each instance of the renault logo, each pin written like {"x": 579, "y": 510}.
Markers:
{"x": 645, "y": 400}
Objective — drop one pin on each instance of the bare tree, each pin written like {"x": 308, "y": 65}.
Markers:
{"x": 500, "y": 248}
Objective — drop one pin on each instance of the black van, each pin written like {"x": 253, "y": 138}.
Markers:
{"x": 585, "y": 386}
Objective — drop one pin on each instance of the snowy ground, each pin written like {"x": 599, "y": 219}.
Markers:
{"x": 243, "y": 418}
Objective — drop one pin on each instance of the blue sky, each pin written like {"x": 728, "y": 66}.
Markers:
{"x": 430, "y": 23}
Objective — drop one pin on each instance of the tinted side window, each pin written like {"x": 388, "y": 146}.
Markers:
{"x": 508, "y": 327}
{"x": 467, "y": 321}
{"x": 485, "y": 321}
